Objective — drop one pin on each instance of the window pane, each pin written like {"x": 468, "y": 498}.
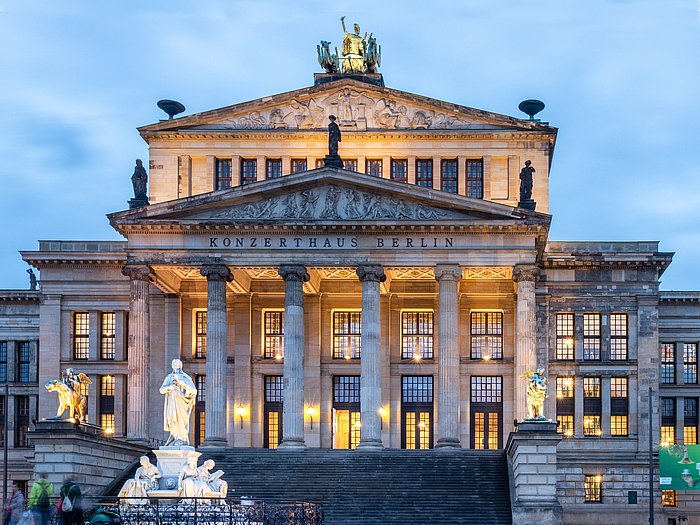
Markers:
{"x": 593, "y": 486}
{"x": 273, "y": 168}
{"x": 486, "y": 389}
{"x": 399, "y": 170}
{"x": 424, "y": 173}
{"x": 3, "y": 361}
{"x": 298, "y": 165}
{"x": 417, "y": 389}
{"x": 350, "y": 164}
{"x": 448, "y": 176}
{"x": 347, "y": 333}
{"x": 618, "y": 336}
{"x": 23, "y": 362}
{"x": 475, "y": 179}
{"x": 200, "y": 341}
{"x": 374, "y": 167}
{"x": 668, "y": 363}
{"x": 274, "y": 385}
{"x": 81, "y": 335}
{"x": 273, "y": 324}
{"x": 591, "y": 336}
{"x": 346, "y": 389}
{"x": 487, "y": 335}
{"x": 690, "y": 363}
{"x": 249, "y": 171}
{"x": 107, "y": 335}
{"x": 565, "y": 336}
{"x": 417, "y": 335}
{"x": 223, "y": 174}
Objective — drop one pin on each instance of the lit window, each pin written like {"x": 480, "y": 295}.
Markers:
{"x": 565, "y": 336}
{"x": 417, "y": 407}
{"x": 448, "y": 176}
{"x": 106, "y": 403}
{"x": 475, "y": 178}
{"x": 107, "y": 423}
{"x": 565, "y": 405}
{"x": 619, "y": 406}
{"x": 347, "y": 335}
{"x": 690, "y": 363}
{"x": 249, "y": 171}
{"x": 417, "y": 335}
{"x": 593, "y": 487}
{"x": 350, "y": 164}
{"x": 22, "y": 362}
{"x": 273, "y": 168}
{"x": 486, "y": 335}
{"x": 21, "y": 421}
{"x": 274, "y": 386}
{"x": 273, "y": 338}
{"x": 346, "y": 409}
{"x": 591, "y": 336}
{"x": 399, "y": 170}
{"x": 107, "y": 335}
{"x": 486, "y": 411}
{"x": 223, "y": 174}
{"x": 200, "y": 409}
{"x": 591, "y": 406}
{"x": 200, "y": 334}
{"x": 669, "y": 498}
{"x": 373, "y": 167}
{"x": 668, "y": 420}
{"x": 668, "y": 363}
{"x": 424, "y": 173}
{"x": 690, "y": 421}
{"x": 618, "y": 336}
{"x": 81, "y": 335}
{"x": 298, "y": 165}
{"x": 107, "y": 384}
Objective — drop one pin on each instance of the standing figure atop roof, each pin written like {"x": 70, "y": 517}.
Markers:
{"x": 333, "y": 136}
{"x": 353, "y": 49}
{"x": 140, "y": 182}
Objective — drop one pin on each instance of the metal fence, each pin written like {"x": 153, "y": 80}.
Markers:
{"x": 234, "y": 511}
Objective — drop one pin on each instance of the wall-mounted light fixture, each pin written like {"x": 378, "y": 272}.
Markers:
{"x": 240, "y": 412}
{"x": 382, "y": 414}
{"x": 311, "y": 412}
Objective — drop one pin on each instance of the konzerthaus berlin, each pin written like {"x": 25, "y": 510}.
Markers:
{"x": 394, "y": 303}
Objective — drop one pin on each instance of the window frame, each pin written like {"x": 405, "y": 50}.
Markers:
{"x": 371, "y": 168}
{"x": 23, "y": 356}
{"x": 668, "y": 366}
{"x": 474, "y": 183}
{"x": 199, "y": 338}
{"x": 488, "y": 336}
{"x": 394, "y": 171}
{"x": 22, "y": 421}
{"x": 564, "y": 351}
{"x": 430, "y": 354}
{"x": 223, "y": 173}
{"x": 81, "y": 341}
{"x": 621, "y": 338}
{"x": 273, "y": 168}
{"x": 264, "y": 333}
{"x": 424, "y": 177}
{"x": 566, "y": 404}
{"x": 592, "y": 406}
{"x": 449, "y": 175}
{"x": 4, "y": 346}
{"x": 619, "y": 406}
{"x": 690, "y": 363}
{"x": 593, "y": 488}
{"x": 249, "y": 171}
{"x": 108, "y": 336}
{"x": 592, "y": 343}
{"x": 296, "y": 163}
{"x": 335, "y": 335}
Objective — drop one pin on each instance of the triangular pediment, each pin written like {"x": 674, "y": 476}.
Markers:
{"x": 357, "y": 105}
{"x": 327, "y": 196}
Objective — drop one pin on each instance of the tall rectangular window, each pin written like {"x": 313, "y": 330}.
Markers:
{"x": 592, "y": 407}
{"x": 3, "y": 361}
{"x": 249, "y": 171}
{"x": 565, "y": 405}
{"x": 273, "y": 168}
{"x": 486, "y": 335}
{"x": 200, "y": 334}
{"x": 274, "y": 388}
{"x": 200, "y": 409}
{"x": 106, "y": 400}
{"x": 424, "y": 173}
{"x": 347, "y": 333}
{"x": 486, "y": 395}
{"x": 223, "y": 174}
{"x": 668, "y": 363}
{"x": 374, "y": 167}
{"x": 619, "y": 406}
{"x": 350, "y": 164}
{"x": 273, "y": 336}
{"x": 21, "y": 421}
{"x": 475, "y": 178}
{"x": 449, "y": 175}
{"x": 298, "y": 165}
{"x": 690, "y": 363}
{"x": 417, "y": 335}
{"x": 565, "y": 336}
{"x": 3, "y": 407}
{"x": 107, "y": 335}
{"x": 346, "y": 410}
{"x": 618, "y": 336}
{"x": 668, "y": 420}
{"x": 593, "y": 488}
{"x": 22, "y": 348}
{"x": 81, "y": 335}
{"x": 690, "y": 421}
{"x": 399, "y": 170}
{"x": 591, "y": 336}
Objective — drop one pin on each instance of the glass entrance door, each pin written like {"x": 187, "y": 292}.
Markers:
{"x": 417, "y": 412}
{"x": 346, "y": 411}
{"x": 273, "y": 412}
{"x": 486, "y": 412}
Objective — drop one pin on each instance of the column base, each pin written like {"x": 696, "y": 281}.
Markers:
{"x": 370, "y": 445}
{"x": 214, "y": 443}
{"x": 447, "y": 443}
{"x": 292, "y": 445}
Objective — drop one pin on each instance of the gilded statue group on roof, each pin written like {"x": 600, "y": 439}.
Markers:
{"x": 359, "y": 54}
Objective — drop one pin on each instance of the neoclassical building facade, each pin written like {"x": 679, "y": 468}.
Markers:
{"x": 393, "y": 303}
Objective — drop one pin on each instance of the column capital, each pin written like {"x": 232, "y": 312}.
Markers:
{"x": 525, "y": 272}
{"x": 216, "y": 272}
{"x": 371, "y": 272}
{"x": 138, "y": 272}
{"x": 447, "y": 272}
{"x": 293, "y": 272}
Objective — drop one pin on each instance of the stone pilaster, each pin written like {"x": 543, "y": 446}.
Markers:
{"x": 139, "y": 352}
{"x": 215, "y": 429}
{"x": 293, "y": 408}
{"x": 448, "y": 355}
{"x": 525, "y": 277}
{"x": 370, "y": 362}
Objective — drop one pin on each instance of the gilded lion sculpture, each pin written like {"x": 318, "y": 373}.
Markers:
{"x": 69, "y": 399}
{"x": 536, "y": 393}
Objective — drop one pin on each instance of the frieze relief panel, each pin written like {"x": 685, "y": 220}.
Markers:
{"x": 331, "y": 202}
{"x": 488, "y": 272}
{"x": 354, "y": 109}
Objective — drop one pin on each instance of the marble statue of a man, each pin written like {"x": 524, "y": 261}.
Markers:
{"x": 180, "y": 395}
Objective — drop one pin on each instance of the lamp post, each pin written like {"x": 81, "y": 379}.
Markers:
{"x": 5, "y": 444}
{"x": 651, "y": 463}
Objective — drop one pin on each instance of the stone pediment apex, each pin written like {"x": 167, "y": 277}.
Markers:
{"x": 328, "y": 196}
{"x": 357, "y": 105}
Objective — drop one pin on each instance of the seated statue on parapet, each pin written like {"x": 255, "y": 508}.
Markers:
{"x": 135, "y": 491}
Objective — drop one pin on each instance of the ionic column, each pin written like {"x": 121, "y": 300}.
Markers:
{"x": 448, "y": 355}
{"x": 215, "y": 423}
{"x": 525, "y": 277}
{"x": 293, "y": 408}
{"x": 139, "y": 352}
{"x": 370, "y": 358}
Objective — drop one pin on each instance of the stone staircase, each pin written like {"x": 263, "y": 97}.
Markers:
{"x": 435, "y": 487}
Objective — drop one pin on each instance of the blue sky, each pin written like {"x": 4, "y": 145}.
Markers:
{"x": 620, "y": 79}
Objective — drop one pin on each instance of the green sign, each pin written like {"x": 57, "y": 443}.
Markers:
{"x": 679, "y": 467}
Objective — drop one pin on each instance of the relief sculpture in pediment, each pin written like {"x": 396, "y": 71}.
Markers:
{"x": 330, "y": 203}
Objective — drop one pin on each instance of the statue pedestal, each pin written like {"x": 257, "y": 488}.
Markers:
{"x": 528, "y": 204}
{"x": 333, "y": 161}
{"x": 137, "y": 203}
{"x": 170, "y": 463}
{"x": 537, "y": 425}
